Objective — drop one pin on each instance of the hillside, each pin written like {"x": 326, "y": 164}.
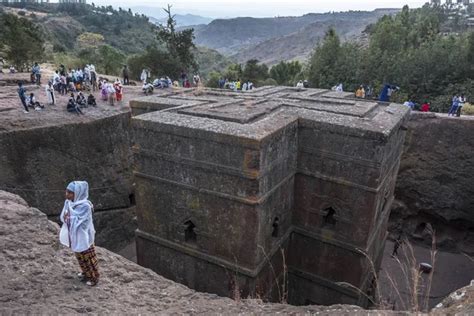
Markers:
{"x": 128, "y": 32}
{"x": 281, "y": 38}
{"x": 61, "y": 24}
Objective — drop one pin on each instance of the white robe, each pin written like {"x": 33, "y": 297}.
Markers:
{"x": 50, "y": 94}
{"x": 78, "y": 232}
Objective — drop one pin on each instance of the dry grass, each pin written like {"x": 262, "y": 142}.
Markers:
{"x": 468, "y": 109}
{"x": 413, "y": 283}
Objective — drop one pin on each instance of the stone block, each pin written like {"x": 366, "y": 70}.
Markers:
{"x": 242, "y": 176}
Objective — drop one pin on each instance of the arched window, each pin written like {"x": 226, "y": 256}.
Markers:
{"x": 420, "y": 229}
{"x": 189, "y": 233}
{"x": 275, "y": 225}
{"x": 329, "y": 218}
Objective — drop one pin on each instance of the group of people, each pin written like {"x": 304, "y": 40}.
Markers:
{"x": 28, "y": 101}
{"x": 111, "y": 92}
{"x": 302, "y": 84}
{"x": 75, "y": 103}
{"x": 235, "y": 85}
{"x": 364, "y": 92}
{"x": 159, "y": 83}
{"x": 73, "y": 82}
{"x": 457, "y": 103}
{"x": 425, "y": 107}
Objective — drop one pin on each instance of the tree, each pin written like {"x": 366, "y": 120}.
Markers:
{"x": 285, "y": 73}
{"x": 324, "y": 62}
{"x": 233, "y": 72}
{"x": 20, "y": 40}
{"x": 254, "y": 72}
{"x": 111, "y": 59}
{"x": 178, "y": 43}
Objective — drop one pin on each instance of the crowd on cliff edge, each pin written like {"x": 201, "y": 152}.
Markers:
{"x": 75, "y": 83}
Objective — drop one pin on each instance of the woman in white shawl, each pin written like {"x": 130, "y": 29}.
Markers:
{"x": 77, "y": 231}
{"x": 144, "y": 76}
{"x": 50, "y": 93}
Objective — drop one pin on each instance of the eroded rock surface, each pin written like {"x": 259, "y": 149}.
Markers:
{"x": 435, "y": 184}
{"x": 38, "y": 276}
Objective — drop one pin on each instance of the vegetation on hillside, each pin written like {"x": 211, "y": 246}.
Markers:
{"x": 423, "y": 51}
{"x": 76, "y": 35}
{"x": 171, "y": 55}
{"x": 20, "y": 40}
{"x": 407, "y": 50}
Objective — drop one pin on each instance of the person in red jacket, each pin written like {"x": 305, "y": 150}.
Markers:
{"x": 425, "y": 107}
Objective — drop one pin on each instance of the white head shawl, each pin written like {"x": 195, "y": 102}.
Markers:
{"x": 78, "y": 233}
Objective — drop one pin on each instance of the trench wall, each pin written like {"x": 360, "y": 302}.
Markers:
{"x": 38, "y": 163}
{"x": 436, "y": 182}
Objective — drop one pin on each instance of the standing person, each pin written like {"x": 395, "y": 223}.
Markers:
{"x": 454, "y": 105}
{"x": 387, "y": 92}
{"x": 360, "y": 93}
{"x": 103, "y": 90}
{"x": 93, "y": 79}
{"x": 111, "y": 93}
{"x": 63, "y": 85}
{"x": 144, "y": 76}
{"x": 118, "y": 90}
{"x": 22, "y": 95}
{"x": 221, "y": 83}
{"x": 425, "y": 107}
{"x": 50, "y": 94}
{"x": 62, "y": 70}
{"x": 37, "y": 73}
{"x": 77, "y": 231}
{"x": 462, "y": 100}
{"x": 369, "y": 92}
{"x": 184, "y": 78}
{"x": 125, "y": 74}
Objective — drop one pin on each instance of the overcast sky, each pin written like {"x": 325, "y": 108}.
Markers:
{"x": 261, "y": 8}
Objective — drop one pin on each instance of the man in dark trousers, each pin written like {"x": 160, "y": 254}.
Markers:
{"x": 125, "y": 75}
{"x": 22, "y": 95}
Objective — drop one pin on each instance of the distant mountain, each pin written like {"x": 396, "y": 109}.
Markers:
{"x": 271, "y": 40}
{"x": 157, "y": 15}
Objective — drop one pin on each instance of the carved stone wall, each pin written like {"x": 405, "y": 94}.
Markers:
{"x": 273, "y": 192}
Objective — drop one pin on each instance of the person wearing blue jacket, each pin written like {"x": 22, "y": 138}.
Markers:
{"x": 22, "y": 95}
{"x": 387, "y": 91}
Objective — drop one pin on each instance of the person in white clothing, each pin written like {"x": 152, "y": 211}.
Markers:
{"x": 144, "y": 76}
{"x": 50, "y": 93}
{"x": 77, "y": 231}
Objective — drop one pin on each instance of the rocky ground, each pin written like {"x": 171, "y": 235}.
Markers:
{"x": 38, "y": 276}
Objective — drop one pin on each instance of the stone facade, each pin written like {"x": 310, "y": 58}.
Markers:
{"x": 277, "y": 193}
